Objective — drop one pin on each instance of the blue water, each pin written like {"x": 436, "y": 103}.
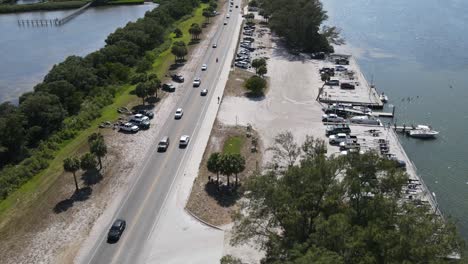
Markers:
{"x": 416, "y": 52}
{"x": 28, "y": 53}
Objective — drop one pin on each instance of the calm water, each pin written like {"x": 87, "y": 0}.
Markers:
{"x": 28, "y": 53}
{"x": 415, "y": 51}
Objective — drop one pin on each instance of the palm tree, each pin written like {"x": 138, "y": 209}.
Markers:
{"x": 94, "y": 136}
{"x": 88, "y": 161}
{"x": 214, "y": 164}
{"x": 238, "y": 165}
{"x": 227, "y": 166}
{"x": 99, "y": 148}
{"x": 72, "y": 165}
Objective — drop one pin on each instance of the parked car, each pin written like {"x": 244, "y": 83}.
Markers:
{"x": 350, "y": 145}
{"x": 347, "y": 86}
{"x": 129, "y": 127}
{"x": 147, "y": 113}
{"x": 332, "y": 118}
{"x": 365, "y": 120}
{"x": 204, "y": 67}
{"x": 141, "y": 121}
{"x": 169, "y": 87}
{"x": 204, "y": 92}
{"x": 340, "y": 68}
{"x": 338, "y": 128}
{"x": 333, "y": 82}
{"x": 242, "y": 64}
{"x": 196, "y": 82}
{"x": 163, "y": 144}
{"x": 116, "y": 230}
{"x": 342, "y": 61}
{"x": 177, "y": 77}
{"x": 318, "y": 56}
{"x": 178, "y": 113}
{"x": 227, "y": 16}
{"x": 184, "y": 141}
{"x": 341, "y": 137}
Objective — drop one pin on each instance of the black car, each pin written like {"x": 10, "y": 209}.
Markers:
{"x": 332, "y": 82}
{"x": 147, "y": 113}
{"x": 177, "y": 78}
{"x": 116, "y": 230}
{"x": 336, "y": 129}
{"x": 347, "y": 86}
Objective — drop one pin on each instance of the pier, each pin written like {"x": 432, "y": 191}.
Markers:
{"x": 52, "y": 22}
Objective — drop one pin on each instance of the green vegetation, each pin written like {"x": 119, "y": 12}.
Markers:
{"x": 226, "y": 164}
{"x": 256, "y": 85}
{"x": 310, "y": 208}
{"x": 299, "y": 22}
{"x": 13, "y": 8}
{"x": 233, "y": 145}
{"x": 125, "y": 2}
{"x": 79, "y": 94}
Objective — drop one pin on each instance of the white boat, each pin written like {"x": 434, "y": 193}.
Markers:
{"x": 365, "y": 120}
{"x": 422, "y": 131}
{"x": 383, "y": 98}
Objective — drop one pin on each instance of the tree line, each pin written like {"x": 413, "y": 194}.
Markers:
{"x": 75, "y": 90}
{"x": 300, "y": 23}
{"x": 310, "y": 208}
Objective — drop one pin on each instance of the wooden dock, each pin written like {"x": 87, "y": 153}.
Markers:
{"x": 52, "y": 22}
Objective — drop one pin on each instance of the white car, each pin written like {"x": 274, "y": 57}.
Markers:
{"x": 332, "y": 118}
{"x": 204, "y": 67}
{"x": 196, "y": 82}
{"x": 178, "y": 113}
{"x": 227, "y": 16}
{"x": 129, "y": 127}
{"x": 184, "y": 141}
{"x": 204, "y": 92}
{"x": 215, "y": 45}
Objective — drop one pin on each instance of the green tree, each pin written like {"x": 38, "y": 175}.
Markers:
{"x": 99, "y": 149}
{"x": 88, "y": 161}
{"x": 227, "y": 167}
{"x": 153, "y": 87}
{"x": 261, "y": 71}
{"x": 257, "y": 63}
{"x": 255, "y": 85}
{"x": 72, "y": 165}
{"x": 208, "y": 13}
{"x": 239, "y": 165}
{"x": 141, "y": 91}
{"x": 95, "y": 136}
{"x": 179, "y": 49}
{"x": 178, "y": 33}
{"x": 214, "y": 164}
{"x": 346, "y": 209}
{"x": 228, "y": 259}
{"x": 143, "y": 66}
{"x": 195, "y": 30}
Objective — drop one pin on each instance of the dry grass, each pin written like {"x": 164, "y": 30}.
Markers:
{"x": 205, "y": 201}
{"x": 235, "y": 83}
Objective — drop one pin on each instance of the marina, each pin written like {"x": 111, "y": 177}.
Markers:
{"x": 353, "y": 107}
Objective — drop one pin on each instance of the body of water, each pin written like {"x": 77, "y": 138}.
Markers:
{"x": 415, "y": 51}
{"x": 28, "y": 53}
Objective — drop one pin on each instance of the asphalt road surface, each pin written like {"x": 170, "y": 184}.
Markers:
{"x": 142, "y": 206}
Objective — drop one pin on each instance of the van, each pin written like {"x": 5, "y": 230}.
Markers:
{"x": 163, "y": 144}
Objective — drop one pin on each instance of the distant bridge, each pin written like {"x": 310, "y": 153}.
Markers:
{"x": 52, "y": 22}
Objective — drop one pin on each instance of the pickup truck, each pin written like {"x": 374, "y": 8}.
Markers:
{"x": 339, "y": 128}
{"x": 341, "y": 137}
{"x": 177, "y": 78}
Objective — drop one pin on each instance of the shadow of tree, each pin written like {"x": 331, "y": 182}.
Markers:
{"x": 225, "y": 196}
{"x": 81, "y": 195}
{"x": 255, "y": 97}
{"x": 177, "y": 65}
{"x": 194, "y": 41}
{"x": 91, "y": 177}
{"x": 153, "y": 100}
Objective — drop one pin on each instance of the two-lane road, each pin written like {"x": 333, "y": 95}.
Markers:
{"x": 142, "y": 205}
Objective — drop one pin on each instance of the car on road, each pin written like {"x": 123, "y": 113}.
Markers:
{"x": 237, "y": 6}
{"x": 179, "y": 113}
{"x": 215, "y": 45}
{"x": 116, "y": 230}
{"x": 230, "y": 10}
{"x": 204, "y": 92}
{"x": 169, "y": 87}
{"x": 225, "y": 22}
{"x": 129, "y": 127}
{"x": 332, "y": 118}
{"x": 204, "y": 67}
{"x": 177, "y": 77}
{"x": 227, "y": 16}
{"x": 196, "y": 82}
{"x": 163, "y": 144}
{"x": 141, "y": 121}
{"x": 184, "y": 141}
